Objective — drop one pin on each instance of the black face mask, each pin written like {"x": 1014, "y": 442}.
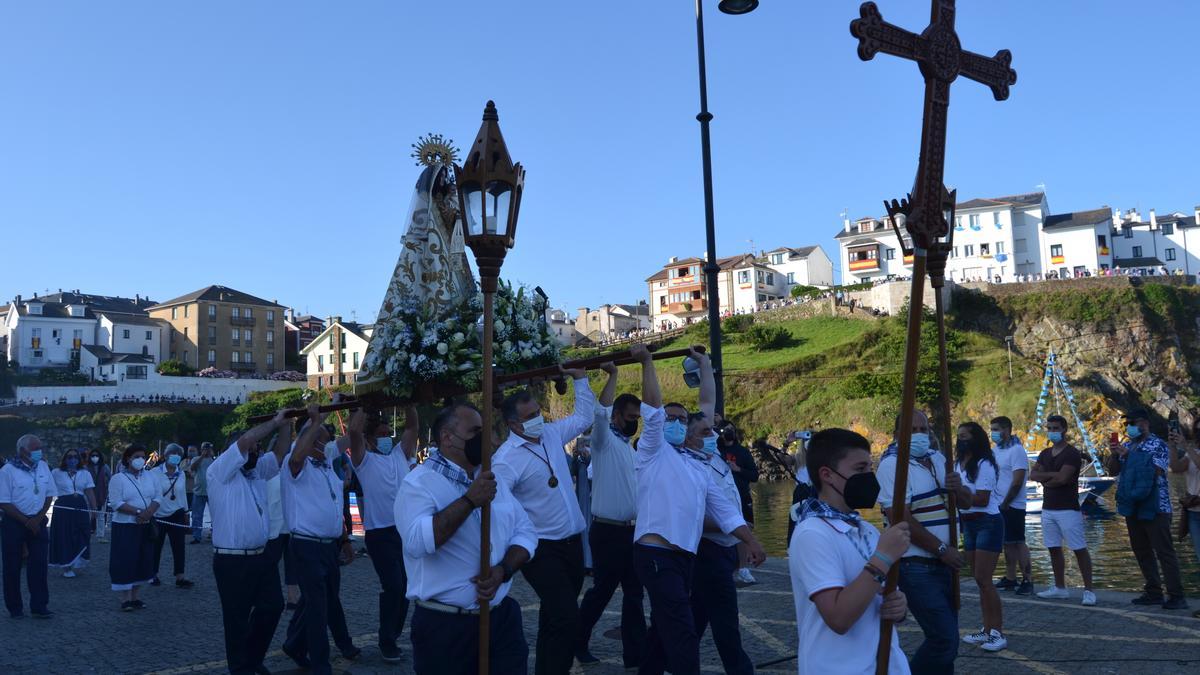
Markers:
{"x": 473, "y": 449}
{"x": 251, "y": 461}
{"x": 629, "y": 428}
{"x": 861, "y": 490}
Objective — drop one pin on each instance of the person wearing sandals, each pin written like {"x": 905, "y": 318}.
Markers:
{"x": 982, "y": 527}
{"x": 171, "y": 519}
{"x": 134, "y": 499}
{"x": 70, "y": 534}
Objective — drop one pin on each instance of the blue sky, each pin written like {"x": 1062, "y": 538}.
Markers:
{"x": 158, "y": 147}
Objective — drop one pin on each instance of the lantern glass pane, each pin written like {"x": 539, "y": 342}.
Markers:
{"x": 473, "y": 218}
{"x": 499, "y": 202}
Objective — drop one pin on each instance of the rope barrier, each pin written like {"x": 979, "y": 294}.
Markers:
{"x": 156, "y": 519}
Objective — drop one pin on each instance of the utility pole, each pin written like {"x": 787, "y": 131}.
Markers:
{"x": 1008, "y": 341}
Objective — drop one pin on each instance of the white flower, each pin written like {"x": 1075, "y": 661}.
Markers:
{"x": 527, "y": 354}
{"x": 442, "y": 348}
{"x": 458, "y": 337}
{"x": 499, "y": 326}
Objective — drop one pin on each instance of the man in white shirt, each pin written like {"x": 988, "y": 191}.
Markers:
{"x": 676, "y": 491}
{"x": 312, "y": 506}
{"x": 614, "y": 513}
{"x": 438, "y": 516}
{"x": 380, "y": 470}
{"x": 1013, "y": 462}
{"x": 532, "y": 464}
{"x": 247, "y": 577}
{"x": 838, "y": 563}
{"x": 26, "y": 490}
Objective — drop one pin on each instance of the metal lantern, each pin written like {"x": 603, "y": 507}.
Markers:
{"x": 737, "y": 6}
{"x": 489, "y": 193}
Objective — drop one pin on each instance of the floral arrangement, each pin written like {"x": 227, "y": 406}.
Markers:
{"x": 213, "y": 372}
{"x": 422, "y": 351}
{"x": 287, "y": 376}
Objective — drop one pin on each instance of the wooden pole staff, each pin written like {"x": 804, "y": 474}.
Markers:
{"x": 937, "y": 266}
{"x": 485, "y": 512}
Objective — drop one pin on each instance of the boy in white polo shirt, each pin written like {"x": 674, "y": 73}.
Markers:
{"x": 839, "y": 562}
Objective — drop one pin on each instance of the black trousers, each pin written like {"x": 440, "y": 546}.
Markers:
{"x": 714, "y": 601}
{"x": 176, "y": 535}
{"x": 1152, "y": 547}
{"x": 13, "y": 537}
{"x": 387, "y": 554}
{"x": 251, "y": 603}
{"x": 612, "y": 565}
{"x": 320, "y": 607}
{"x": 448, "y": 644}
{"x": 672, "y": 642}
{"x": 556, "y": 575}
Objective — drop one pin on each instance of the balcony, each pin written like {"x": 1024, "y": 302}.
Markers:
{"x": 697, "y": 305}
{"x": 864, "y": 265}
{"x": 247, "y": 343}
{"x": 241, "y": 321}
{"x": 241, "y": 365}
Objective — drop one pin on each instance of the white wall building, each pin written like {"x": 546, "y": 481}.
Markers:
{"x": 746, "y": 283}
{"x": 608, "y": 322}
{"x": 335, "y": 356}
{"x": 131, "y": 334}
{"x": 47, "y": 334}
{"x": 562, "y": 327}
{"x": 1078, "y": 242}
{"x": 804, "y": 266}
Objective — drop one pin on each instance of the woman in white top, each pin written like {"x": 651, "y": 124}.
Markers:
{"x": 1185, "y": 459}
{"x": 71, "y": 529}
{"x": 171, "y": 519}
{"x": 982, "y": 528}
{"x": 133, "y": 497}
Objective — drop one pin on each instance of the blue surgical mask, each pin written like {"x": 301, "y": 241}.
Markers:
{"x": 72, "y": 463}
{"x": 533, "y": 428}
{"x": 1054, "y": 436}
{"x": 35, "y": 456}
{"x": 675, "y": 432}
{"x": 997, "y": 436}
{"x": 174, "y": 460}
{"x": 1133, "y": 431}
{"x": 710, "y": 445}
{"x": 137, "y": 463}
{"x": 919, "y": 447}
{"x": 384, "y": 445}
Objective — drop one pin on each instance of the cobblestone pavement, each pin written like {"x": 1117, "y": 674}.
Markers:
{"x": 180, "y": 630}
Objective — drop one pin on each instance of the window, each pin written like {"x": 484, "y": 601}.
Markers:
{"x": 776, "y": 258}
{"x": 958, "y": 222}
{"x": 172, "y": 356}
{"x": 248, "y": 357}
{"x": 954, "y": 252}
{"x": 999, "y": 248}
{"x": 248, "y": 313}
{"x": 770, "y": 279}
{"x": 356, "y": 360}
{"x": 270, "y": 359}
{"x": 235, "y": 312}
{"x": 1020, "y": 246}
{"x": 247, "y": 335}
{"x": 149, "y": 335}
{"x": 974, "y": 220}
{"x": 662, "y": 301}
{"x": 212, "y": 312}
{"x": 234, "y": 357}
{"x": 56, "y": 333}
{"x": 1137, "y": 251}
{"x": 185, "y": 332}
{"x": 1170, "y": 253}
{"x": 343, "y": 357}
{"x": 1102, "y": 240}
{"x": 758, "y": 276}
{"x": 889, "y": 254}
{"x": 212, "y": 357}
{"x": 270, "y": 337}
{"x": 212, "y": 335}
{"x": 791, "y": 277}
{"x": 744, "y": 277}
{"x": 320, "y": 362}
{"x": 270, "y": 316}
{"x": 185, "y": 356}
{"x": 996, "y": 219}
{"x": 985, "y": 249}
{"x": 135, "y": 373}
{"x": 125, "y": 333}
{"x": 185, "y": 311}
{"x": 236, "y": 335}
{"x": 1167, "y": 229}
{"x": 969, "y": 249}
{"x": 1128, "y": 232}
{"x": 174, "y": 312}
{"x": 1056, "y": 251}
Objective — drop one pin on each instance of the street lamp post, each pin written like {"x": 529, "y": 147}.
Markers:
{"x": 713, "y": 296}
{"x": 489, "y": 192}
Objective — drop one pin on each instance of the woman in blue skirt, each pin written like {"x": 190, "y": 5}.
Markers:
{"x": 133, "y": 499}
{"x": 71, "y": 527}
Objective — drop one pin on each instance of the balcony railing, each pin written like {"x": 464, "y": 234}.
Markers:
{"x": 248, "y": 343}
{"x": 697, "y": 305}
{"x": 241, "y": 365}
{"x": 241, "y": 320}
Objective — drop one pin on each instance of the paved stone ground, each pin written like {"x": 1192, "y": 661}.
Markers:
{"x": 180, "y": 631}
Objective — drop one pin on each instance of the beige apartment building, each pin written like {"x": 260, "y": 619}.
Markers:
{"x": 226, "y": 329}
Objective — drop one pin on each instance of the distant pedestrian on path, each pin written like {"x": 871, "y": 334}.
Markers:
{"x": 199, "y": 470}
{"x": 98, "y": 468}
{"x": 71, "y": 533}
{"x": 1057, "y": 469}
{"x": 26, "y": 489}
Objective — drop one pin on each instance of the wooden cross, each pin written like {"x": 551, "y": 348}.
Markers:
{"x": 942, "y": 59}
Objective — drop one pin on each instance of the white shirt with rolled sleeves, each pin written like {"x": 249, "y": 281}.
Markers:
{"x": 443, "y": 573}
{"x": 614, "y": 478}
{"x": 138, "y": 491}
{"x": 521, "y": 466}
{"x": 239, "y": 503}
{"x": 824, "y": 554}
{"x": 26, "y": 490}
{"x": 676, "y": 492}
{"x": 1009, "y": 460}
{"x": 725, "y": 478}
{"x": 278, "y": 525}
{"x": 380, "y": 476}
{"x": 167, "y": 504}
{"x": 67, "y": 484}
{"x": 312, "y": 499}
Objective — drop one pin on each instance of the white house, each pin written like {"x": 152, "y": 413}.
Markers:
{"x": 47, "y": 334}
{"x": 335, "y": 356}
{"x": 1077, "y": 242}
{"x": 612, "y": 321}
{"x": 745, "y": 283}
{"x": 804, "y": 266}
{"x": 131, "y": 334}
{"x": 562, "y": 327}
{"x": 102, "y": 365}
{"x": 1158, "y": 242}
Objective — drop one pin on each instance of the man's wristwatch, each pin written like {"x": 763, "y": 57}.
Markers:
{"x": 942, "y": 549}
{"x": 508, "y": 572}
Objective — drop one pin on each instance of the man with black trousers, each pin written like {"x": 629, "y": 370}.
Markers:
{"x": 614, "y": 514}
{"x": 312, "y": 508}
{"x": 380, "y": 470}
{"x": 247, "y": 577}
{"x": 532, "y": 465}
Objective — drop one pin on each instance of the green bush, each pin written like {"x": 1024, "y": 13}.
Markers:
{"x": 765, "y": 336}
{"x": 804, "y": 291}
{"x": 174, "y": 368}
{"x": 261, "y": 403}
{"x": 736, "y": 323}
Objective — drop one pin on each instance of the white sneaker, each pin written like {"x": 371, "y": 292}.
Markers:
{"x": 1056, "y": 593}
{"x": 995, "y": 641}
{"x": 976, "y": 638}
{"x": 1089, "y": 598}
{"x": 744, "y": 576}
{"x": 69, "y": 574}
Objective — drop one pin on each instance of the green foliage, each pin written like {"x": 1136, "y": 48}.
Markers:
{"x": 767, "y": 336}
{"x": 1091, "y": 305}
{"x": 697, "y": 332}
{"x": 1164, "y": 303}
{"x": 262, "y": 403}
{"x": 887, "y": 381}
{"x": 50, "y": 377}
{"x": 736, "y": 323}
{"x": 804, "y": 291}
{"x": 174, "y": 368}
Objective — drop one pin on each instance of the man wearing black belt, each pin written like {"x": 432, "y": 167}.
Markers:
{"x": 312, "y": 507}
{"x": 614, "y": 513}
{"x": 437, "y": 515}
{"x": 532, "y": 465}
{"x": 247, "y": 578}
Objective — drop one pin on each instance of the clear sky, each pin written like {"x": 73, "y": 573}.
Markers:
{"x": 158, "y": 147}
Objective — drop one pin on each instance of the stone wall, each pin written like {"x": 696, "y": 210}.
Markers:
{"x": 186, "y": 387}
{"x": 1008, "y": 290}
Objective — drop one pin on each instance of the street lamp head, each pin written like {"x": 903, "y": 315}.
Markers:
{"x": 489, "y": 190}
{"x": 738, "y": 6}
